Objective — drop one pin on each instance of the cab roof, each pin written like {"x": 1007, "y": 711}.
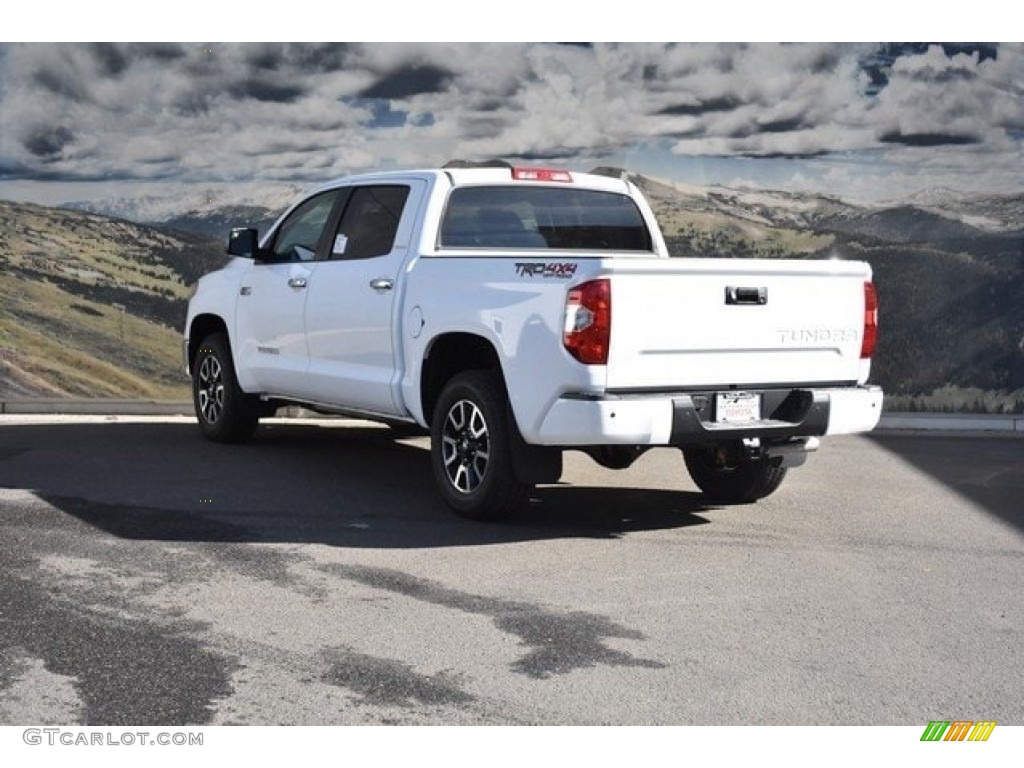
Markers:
{"x": 459, "y": 177}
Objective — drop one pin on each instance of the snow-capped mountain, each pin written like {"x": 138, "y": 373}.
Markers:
{"x": 208, "y": 209}
{"x": 989, "y": 213}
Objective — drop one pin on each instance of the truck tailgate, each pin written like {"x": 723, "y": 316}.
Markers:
{"x": 692, "y": 323}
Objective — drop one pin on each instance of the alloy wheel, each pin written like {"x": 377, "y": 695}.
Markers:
{"x": 465, "y": 446}
{"x": 211, "y": 389}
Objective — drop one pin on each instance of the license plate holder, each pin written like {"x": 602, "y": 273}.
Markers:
{"x": 737, "y": 407}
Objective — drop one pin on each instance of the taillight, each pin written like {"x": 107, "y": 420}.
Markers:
{"x": 870, "y": 336}
{"x": 588, "y": 321}
{"x": 540, "y": 174}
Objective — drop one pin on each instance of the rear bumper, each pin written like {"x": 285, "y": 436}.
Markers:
{"x": 687, "y": 418}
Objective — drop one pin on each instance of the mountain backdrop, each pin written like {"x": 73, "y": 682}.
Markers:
{"x": 92, "y": 306}
{"x": 93, "y": 294}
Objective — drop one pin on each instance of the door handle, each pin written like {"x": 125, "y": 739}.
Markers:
{"x": 382, "y": 284}
{"x": 744, "y": 295}
{"x": 297, "y": 282}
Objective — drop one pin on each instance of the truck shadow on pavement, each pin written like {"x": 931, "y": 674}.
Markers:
{"x": 987, "y": 471}
{"x": 304, "y": 483}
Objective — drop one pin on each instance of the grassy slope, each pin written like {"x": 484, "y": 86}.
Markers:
{"x": 947, "y": 318}
{"x": 705, "y": 223}
{"x": 61, "y": 273}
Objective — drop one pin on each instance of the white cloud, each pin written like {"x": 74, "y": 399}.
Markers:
{"x": 303, "y": 112}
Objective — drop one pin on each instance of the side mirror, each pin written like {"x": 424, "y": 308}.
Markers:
{"x": 244, "y": 243}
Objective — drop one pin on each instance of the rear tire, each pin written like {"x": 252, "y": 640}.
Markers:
{"x": 728, "y": 482}
{"x": 225, "y": 413}
{"x": 471, "y": 448}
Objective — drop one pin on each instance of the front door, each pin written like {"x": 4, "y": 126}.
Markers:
{"x": 270, "y": 333}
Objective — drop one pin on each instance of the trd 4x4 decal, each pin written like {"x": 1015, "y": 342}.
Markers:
{"x": 563, "y": 270}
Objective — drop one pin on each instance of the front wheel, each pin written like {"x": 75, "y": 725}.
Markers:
{"x": 225, "y": 413}
{"x": 727, "y": 480}
{"x": 471, "y": 448}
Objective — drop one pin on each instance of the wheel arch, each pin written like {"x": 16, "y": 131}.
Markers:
{"x": 448, "y": 355}
{"x": 202, "y": 326}
{"x": 453, "y": 353}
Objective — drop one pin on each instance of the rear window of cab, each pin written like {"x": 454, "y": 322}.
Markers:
{"x": 544, "y": 218}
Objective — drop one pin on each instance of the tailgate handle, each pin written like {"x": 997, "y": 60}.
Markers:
{"x": 741, "y": 295}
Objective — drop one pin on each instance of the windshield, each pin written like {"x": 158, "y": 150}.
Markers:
{"x": 543, "y": 217}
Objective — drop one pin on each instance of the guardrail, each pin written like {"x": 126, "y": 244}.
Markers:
{"x": 955, "y": 422}
{"x": 930, "y": 422}
{"x": 42, "y": 405}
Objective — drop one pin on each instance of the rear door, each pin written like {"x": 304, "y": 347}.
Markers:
{"x": 351, "y": 323}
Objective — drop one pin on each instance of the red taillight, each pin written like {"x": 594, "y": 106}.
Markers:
{"x": 870, "y": 337}
{"x": 588, "y": 322}
{"x": 540, "y": 174}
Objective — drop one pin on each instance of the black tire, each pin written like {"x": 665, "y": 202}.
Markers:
{"x": 225, "y": 413}
{"x": 470, "y": 448}
{"x": 726, "y": 482}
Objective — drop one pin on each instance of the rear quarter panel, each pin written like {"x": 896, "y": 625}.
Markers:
{"x": 521, "y": 315}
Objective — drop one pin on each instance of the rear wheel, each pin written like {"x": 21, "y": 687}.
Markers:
{"x": 470, "y": 448}
{"x": 225, "y": 413}
{"x": 727, "y": 480}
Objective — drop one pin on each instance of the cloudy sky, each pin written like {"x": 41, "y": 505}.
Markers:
{"x": 867, "y": 122}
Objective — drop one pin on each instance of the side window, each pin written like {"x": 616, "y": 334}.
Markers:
{"x": 370, "y": 222}
{"x": 297, "y": 237}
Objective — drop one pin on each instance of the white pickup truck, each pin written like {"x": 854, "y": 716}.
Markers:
{"x": 519, "y": 312}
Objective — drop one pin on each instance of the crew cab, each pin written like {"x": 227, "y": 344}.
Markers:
{"x": 519, "y": 312}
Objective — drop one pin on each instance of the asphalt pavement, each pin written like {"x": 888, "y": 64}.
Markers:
{"x": 314, "y": 577}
